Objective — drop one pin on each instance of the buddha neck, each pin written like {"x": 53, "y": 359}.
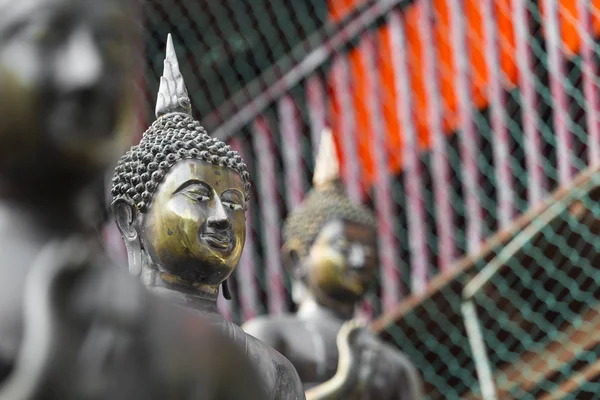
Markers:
{"x": 193, "y": 295}
{"x": 313, "y": 305}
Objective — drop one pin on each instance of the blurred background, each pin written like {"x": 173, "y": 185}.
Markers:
{"x": 471, "y": 128}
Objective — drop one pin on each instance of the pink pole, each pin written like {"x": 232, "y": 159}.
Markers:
{"x": 590, "y": 90}
{"x": 411, "y": 170}
{"x": 269, "y": 206}
{"x": 468, "y": 135}
{"x": 289, "y": 126}
{"x": 388, "y": 252}
{"x": 502, "y": 157}
{"x": 444, "y": 213}
{"x": 560, "y": 103}
{"x": 341, "y": 81}
{"x": 537, "y": 183}
{"x": 246, "y": 270}
{"x": 317, "y": 107}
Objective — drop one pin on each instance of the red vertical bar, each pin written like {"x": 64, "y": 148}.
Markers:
{"x": 560, "y": 104}
{"x": 537, "y": 184}
{"x": 246, "y": 270}
{"x": 468, "y": 136}
{"x": 289, "y": 126}
{"x": 411, "y": 171}
{"x": 388, "y": 252}
{"x": 444, "y": 213}
{"x": 316, "y": 109}
{"x": 341, "y": 83}
{"x": 502, "y": 157}
{"x": 589, "y": 74}
{"x": 269, "y": 206}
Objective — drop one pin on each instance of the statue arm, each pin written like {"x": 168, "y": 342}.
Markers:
{"x": 412, "y": 378}
{"x": 355, "y": 367}
{"x": 289, "y": 386}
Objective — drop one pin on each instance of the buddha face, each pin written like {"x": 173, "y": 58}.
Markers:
{"x": 65, "y": 80}
{"x": 342, "y": 261}
{"x": 195, "y": 227}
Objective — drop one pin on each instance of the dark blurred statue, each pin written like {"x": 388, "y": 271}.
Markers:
{"x": 72, "y": 326}
{"x": 180, "y": 198}
{"x": 330, "y": 250}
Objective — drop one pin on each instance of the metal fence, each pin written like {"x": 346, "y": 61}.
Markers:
{"x": 452, "y": 118}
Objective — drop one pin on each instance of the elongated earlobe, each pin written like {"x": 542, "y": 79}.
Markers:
{"x": 226, "y": 292}
{"x": 125, "y": 214}
{"x": 290, "y": 256}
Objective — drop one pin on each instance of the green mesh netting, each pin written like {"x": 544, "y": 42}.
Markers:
{"x": 537, "y": 315}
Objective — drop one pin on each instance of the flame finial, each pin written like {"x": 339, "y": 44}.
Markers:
{"x": 327, "y": 165}
{"x": 172, "y": 93}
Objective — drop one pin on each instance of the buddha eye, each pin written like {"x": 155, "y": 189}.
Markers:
{"x": 369, "y": 251}
{"x": 342, "y": 245}
{"x": 232, "y": 200}
{"x": 232, "y": 205}
{"x": 197, "y": 193}
{"x": 37, "y": 32}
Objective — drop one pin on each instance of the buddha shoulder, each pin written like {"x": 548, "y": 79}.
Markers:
{"x": 278, "y": 370}
{"x": 269, "y": 329}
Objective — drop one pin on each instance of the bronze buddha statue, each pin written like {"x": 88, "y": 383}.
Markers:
{"x": 73, "y": 326}
{"x": 179, "y": 202}
{"x": 330, "y": 251}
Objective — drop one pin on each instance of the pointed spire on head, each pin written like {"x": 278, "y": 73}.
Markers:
{"x": 172, "y": 93}
{"x": 327, "y": 165}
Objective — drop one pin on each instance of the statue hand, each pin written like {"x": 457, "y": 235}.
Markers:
{"x": 349, "y": 349}
{"x": 348, "y": 377}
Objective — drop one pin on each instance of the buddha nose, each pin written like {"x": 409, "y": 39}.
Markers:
{"x": 80, "y": 64}
{"x": 356, "y": 257}
{"x": 219, "y": 218}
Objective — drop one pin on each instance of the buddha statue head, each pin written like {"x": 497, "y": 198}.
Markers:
{"x": 180, "y": 197}
{"x": 66, "y": 73}
{"x": 330, "y": 243}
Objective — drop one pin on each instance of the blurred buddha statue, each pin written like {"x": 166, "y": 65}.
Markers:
{"x": 180, "y": 198}
{"x": 73, "y": 326}
{"x": 330, "y": 251}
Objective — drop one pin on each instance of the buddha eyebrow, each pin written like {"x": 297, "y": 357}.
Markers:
{"x": 236, "y": 192}
{"x": 192, "y": 182}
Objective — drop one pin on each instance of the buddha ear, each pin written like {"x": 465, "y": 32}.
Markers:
{"x": 290, "y": 256}
{"x": 125, "y": 214}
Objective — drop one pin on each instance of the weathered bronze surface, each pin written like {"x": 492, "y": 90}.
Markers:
{"x": 179, "y": 201}
{"x": 197, "y": 214}
{"x": 330, "y": 250}
{"x": 72, "y": 326}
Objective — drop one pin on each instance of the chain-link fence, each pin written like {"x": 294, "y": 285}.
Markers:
{"x": 452, "y": 119}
